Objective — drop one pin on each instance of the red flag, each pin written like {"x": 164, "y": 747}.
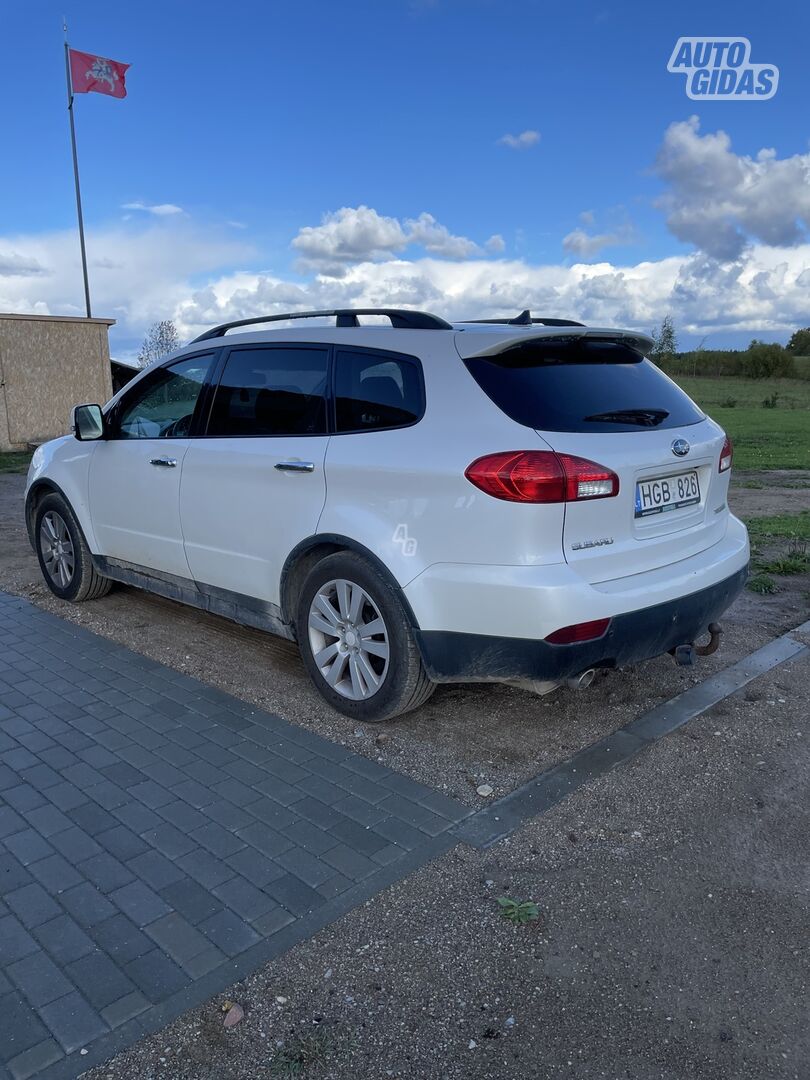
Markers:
{"x": 88, "y": 72}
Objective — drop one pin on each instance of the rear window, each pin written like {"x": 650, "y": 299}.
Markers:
{"x": 580, "y": 385}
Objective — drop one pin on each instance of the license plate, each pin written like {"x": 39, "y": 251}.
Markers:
{"x": 667, "y": 493}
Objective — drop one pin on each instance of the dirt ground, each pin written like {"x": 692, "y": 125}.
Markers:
{"x": 466, "y": 735}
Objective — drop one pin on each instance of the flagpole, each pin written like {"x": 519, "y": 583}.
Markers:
{"x": 76, "y": 174}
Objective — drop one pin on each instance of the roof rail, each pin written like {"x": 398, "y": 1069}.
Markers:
{"x": 401, "y": 320}
{"x": 525, "y": 319}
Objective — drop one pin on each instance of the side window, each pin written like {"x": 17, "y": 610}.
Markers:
{"x": 274, "y": 390}
{"x": 162, "y": 405}
{"x": 376, "y": 390}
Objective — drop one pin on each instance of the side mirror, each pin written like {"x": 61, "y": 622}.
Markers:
{"x": 88, "y": 422}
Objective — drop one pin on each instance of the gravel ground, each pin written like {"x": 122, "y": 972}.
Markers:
{"x": 672, "y": 942}
{"x": 465, "y": 735}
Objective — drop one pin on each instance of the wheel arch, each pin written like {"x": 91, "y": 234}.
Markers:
{"x": 309, "y": 552}
{"x": 34, "y": 496}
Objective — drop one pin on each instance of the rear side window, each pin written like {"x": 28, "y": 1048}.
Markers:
{"x": 271, "y": 391}
{"x": 376, "y": 390}
{"x": 580, "y": 385}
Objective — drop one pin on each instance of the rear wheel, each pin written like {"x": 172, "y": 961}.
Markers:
{"x": 356, "y": 641}
{"x": 63, "y": 554}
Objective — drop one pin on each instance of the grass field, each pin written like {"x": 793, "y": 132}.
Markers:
{"x": 775, "y": 438}
{"x": 12, "y": 462}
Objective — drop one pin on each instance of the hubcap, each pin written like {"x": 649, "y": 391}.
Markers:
{"x": 57, "y": 549}
{"x": 349, "y": 639}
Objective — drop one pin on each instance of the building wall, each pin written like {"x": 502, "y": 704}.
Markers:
{"x": 48, "y": 364}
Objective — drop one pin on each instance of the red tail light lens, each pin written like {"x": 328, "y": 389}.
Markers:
{"x": 726, "y": 456}
{"x": 541, "y": 476}
{"x": 584, "y": 631}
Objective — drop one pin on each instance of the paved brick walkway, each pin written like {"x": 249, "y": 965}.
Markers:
{"x": 160, "y": 839}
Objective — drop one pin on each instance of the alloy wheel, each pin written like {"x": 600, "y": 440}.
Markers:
{"x": 349, "y": 639}
{"x": 57, "y": 549}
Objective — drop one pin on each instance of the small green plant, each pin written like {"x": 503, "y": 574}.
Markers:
{"x": 729, "y": 403}
{"x": 518, "y": 912}
{"x": 770, "y": 402}
{"x": 298, "y": 1054}
{"x": 762, "y": 584}
{"x": 795, "y": 561}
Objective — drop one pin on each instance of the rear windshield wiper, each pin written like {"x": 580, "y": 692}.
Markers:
{"x": 642, "y": 417}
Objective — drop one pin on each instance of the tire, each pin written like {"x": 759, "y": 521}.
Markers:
{"x": 64, "y": 557}
{"x": 349, "y": 662}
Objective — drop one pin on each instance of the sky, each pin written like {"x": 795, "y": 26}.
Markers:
{"x": 468, "y": 157}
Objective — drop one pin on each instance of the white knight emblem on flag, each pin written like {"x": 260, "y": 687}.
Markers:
{"x": 102, "y": 71}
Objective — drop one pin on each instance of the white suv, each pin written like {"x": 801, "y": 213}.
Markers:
{"x": 521, "y": 501}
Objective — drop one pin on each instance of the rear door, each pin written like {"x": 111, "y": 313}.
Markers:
{"x": 253, "y": 485}
{"x": 601, "y": 400}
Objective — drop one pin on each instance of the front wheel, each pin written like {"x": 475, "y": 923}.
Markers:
{"x": 63, "y": 554}
{"x": 356, "y": 641}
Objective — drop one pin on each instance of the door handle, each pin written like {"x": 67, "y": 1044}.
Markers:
{"x": 166, "y": 462}
{"x": 295, "y": 466}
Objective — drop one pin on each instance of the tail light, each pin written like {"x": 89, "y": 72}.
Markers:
{"x": 541, "y": 476}
{"x": 726, "y": 455}
{"x": 583, "y": 631}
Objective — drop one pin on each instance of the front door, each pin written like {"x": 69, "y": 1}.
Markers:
{"x": 135, "y": 471}
{"x": 253, "y": 486}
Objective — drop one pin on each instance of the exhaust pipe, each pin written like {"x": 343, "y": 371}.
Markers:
{"x": 581, "y": 681}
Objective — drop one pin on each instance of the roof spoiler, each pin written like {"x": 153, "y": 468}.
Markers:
{"x": 467, "y": 343}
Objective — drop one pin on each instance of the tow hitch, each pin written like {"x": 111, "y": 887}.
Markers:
{"x": 685, "y": 654}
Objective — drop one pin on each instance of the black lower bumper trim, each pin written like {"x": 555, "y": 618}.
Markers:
{"x": 630, "y": 638}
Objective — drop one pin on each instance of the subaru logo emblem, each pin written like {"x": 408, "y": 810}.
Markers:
{"x": 680, "y": 447}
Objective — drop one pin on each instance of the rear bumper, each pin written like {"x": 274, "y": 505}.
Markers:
{"x": 631, "y": 637}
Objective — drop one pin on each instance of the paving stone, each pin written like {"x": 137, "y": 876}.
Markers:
{"x": 122, "y": 842}
{"x": 32, "y": 905}
{"x": 73, "y": 1022}
{"x": 28, "y": 846}
{"x": 140, "y": 903}
{"x": 100, "y": 980}
{"x": 154, "y": 828}
{"x": 205, "y": 868}
{"x": 39, "y": 979}
{"x": 155, "y": 869}
{"x": 87, "y": 905}
{"x": 106, "y": 872}
{"x": 295, "y": 895}
{"x": 217, "y": 840}
{"x": 23, "y": 797}
{"x": 229, "y": 932}
{"x": 92, "y": 818}
{"x": 75, "y": 844}
{"x": 170, "y": 841}
{"x": 350, "y": 862}
{"x": 121, "y": 939}
{"x": 177, "y": 937}
{"x": 13, "y": 874}
{"x": 47, "y": 820}
{"x": 156, "y": 975}
{"x": 33, "y": 1061}
{"x": 20, "y": 1027}
{"x": 64, "y": 939}
{"x": 124, "y": 1009}
{"x": 244, "y": 898}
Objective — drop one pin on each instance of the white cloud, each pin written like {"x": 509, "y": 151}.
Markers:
{"x": 14, "y": 265}
{"x": 357, "y": 234}
{"x": 586, "y": 245}
{"x": 496, "y": 244}
{"x": 159, "y": 210}
{"x": 721, "y": 201}
{"x": 520, "y": 142}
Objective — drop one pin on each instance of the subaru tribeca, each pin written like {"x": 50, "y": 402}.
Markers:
{"x": 414, "y": 503}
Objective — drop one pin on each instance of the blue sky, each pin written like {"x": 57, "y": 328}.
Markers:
{"x": 257, "y": 119}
